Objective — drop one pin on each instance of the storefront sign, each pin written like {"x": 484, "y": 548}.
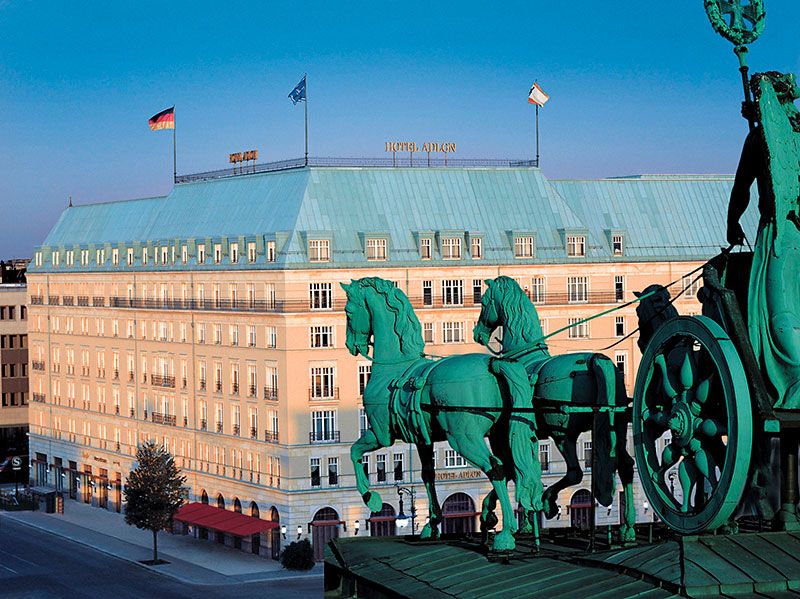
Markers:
{"x": 459, "y": 475}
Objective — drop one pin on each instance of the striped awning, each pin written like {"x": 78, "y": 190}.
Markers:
{"x": 221, "y": 520}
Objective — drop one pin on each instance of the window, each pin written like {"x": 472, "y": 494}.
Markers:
{"x": 691, "y": 286}
{"x": 544, "y": 456}
{"x": 333, "y": 471}
{"x": 577, "y": 290}
{"x": 144, "y": 256}
{"x": 453, "y": 292}
{"x": 376, "y": 249}
{"x": 270, "y": 251}
{"x": 427, "y": 293}
{"x": 234, "y": 334}
{"x": 587, "y": 455}
{"x": 321, "y": 336}
{"x": 322, "y": 382}
{"x": 164, "y": 255}
{"x": 476, "y": 248}
{"x": 115, "y": 257}
{"x": 184, "y": 254}
{"x": 38, "y": 259}
{"x": 129, "y": 258}
{"x": 272, "y": 336}
{"x": 477, "y": 291}
{"x": 578, "y": 329}
{"x": 84, "y": 257}
{"x": 319, "y": 250}
{"x": 201, "y": 254}
{"x": 398, "y": 466}
{"x": 619, "y": 288}
{"x": 621, "y": 360}
{"x": 451, "y": 248}
{"x": 101, "y": 257}
{"x": 55, "y": 258}
{"x": 251, "y": 251}
{"x": 452, "y": 332}
{"x": 619, "y": 326}
{"x": 538, "y": 290}
{"x": 315, "y": 476}
{"x": 364, "y": 371}
{"x": 217, "y": 253}
{"x": 523, "y": 247}
{"x": 616, "y": 245}
{"x": 425, "y": 248}
{"x": 323, "y": 425}
{"x": 380, "y": 467}
{"x": 233, "y": 252}
{"x": 427, "y": 332}
{"x": 454, "y": 460}
{"x": 363, "y": 421}
{"x": 251, "y": 335}
{"x": 576, "y": 246}
{"x": 320, "y": 296}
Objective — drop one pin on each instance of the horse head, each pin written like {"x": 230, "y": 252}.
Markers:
{"x": 506, "y": 305}
{"x": 653, "y": 311}
{"x": 359, "y": 322}
{"x": 489, "y": 318}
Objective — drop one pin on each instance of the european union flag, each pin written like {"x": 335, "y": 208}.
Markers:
{"x": 299, "y": 91}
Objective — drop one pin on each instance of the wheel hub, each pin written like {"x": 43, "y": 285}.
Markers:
{"x": 680, "y": 423}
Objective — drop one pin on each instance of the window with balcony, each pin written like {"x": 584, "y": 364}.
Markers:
{"x": 319, "y": 250}
{"x": 376, "y": 249}
{"x": 453, "y": 292}
{"x": 577, "y": 290}
{"x": 619, "y": 288}
{"x": 272, "y": 336}
{"x": 427, "y": 293}
{"x": 323, "y": 383}
{"x": 320, "y": 296}
{"x": 523, "y": 247}
{"x": 538, "y": 290}
{"x": 323, "y": 427}
{"x": 477, "y": 291}
{"x": 576, "y": 246}
{"x": 451, "y": 248}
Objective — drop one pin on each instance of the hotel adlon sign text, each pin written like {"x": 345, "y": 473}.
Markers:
{"x": 447, "y": 147}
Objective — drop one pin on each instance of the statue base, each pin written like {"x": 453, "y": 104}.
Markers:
{"x": 746, "y": 565}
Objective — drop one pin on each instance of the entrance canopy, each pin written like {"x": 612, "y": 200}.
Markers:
{"x": 221, "y": 520}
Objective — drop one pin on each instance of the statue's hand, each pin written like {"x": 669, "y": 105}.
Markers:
{"x": 735, "y": 234}
{"x": 749, "y": 110}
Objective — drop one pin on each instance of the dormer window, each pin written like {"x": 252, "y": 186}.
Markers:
{"x": 164, "y": 255}
{"x": 55, "y": 258}
{"x": 201, "y": 253}
{"x": 616, "y": 245}
{"x": 523, "y": 246}
{"x": 270, "y": 251}
{"x": 84, "y": 257}
{"x": 451, "y": 248}
{"x": 251, "y": 251}
{"x": 130, "y": 257}
{"x": 376, "y": 249}
{"x": 319, "y": 250}
{"x": 144, "y": 256}
{"x": 425, "y": 245}
{"x": 217, "y": 253}
{"x": 115, "y": 257}
{"x": 234, "y": 253}
{"x": 576, "y": 246}
{"x": 476, "y": 248}
{"x": 184, "y": 254}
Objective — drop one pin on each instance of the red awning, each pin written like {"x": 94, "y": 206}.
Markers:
{"x": 221, "y": 520}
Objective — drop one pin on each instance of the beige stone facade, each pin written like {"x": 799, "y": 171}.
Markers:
{"x": 14, "y": 365}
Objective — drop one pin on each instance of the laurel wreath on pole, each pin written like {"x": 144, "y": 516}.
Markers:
{"x": 744, "y": 24}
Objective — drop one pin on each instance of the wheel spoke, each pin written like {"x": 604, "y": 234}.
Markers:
{"x": 687, "y": 372}
{"x": 687, "y": 475}
{"x": 705, "y": 465}
{"x": 666, "y": 385}
{"x": 712, "y": 427}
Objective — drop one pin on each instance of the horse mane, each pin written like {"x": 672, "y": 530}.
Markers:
{"x": 406, "y": 323}
{"x": 656, "y": 309}
{"x": 518, "y": 313}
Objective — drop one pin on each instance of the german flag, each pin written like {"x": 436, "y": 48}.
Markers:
{"x": 163, "y": 120}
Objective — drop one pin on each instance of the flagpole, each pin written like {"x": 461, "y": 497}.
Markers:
{"x": 174, "y": 148}
{"x": 537, "y": 135}
{"x": 305, "y": 110}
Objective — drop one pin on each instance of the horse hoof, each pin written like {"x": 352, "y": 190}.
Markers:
{"x": 428, "y": 532}
{"x": 489, "y": 522}
{"x": 504, "y": 541}
{"x": 373, "y": 501}
{"x": 550, "y": 509}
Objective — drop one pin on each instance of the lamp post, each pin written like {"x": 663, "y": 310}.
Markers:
{"x": 402, "y": 520}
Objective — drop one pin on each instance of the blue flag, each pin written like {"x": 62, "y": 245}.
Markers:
{"x": 299, "y": 91}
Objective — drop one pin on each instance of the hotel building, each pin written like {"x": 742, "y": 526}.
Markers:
{"x": 13, "y": 365}
{"x": 211, "y": 320}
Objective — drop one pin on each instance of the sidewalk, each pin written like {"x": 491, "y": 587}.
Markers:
{"x": 193, "y": 561}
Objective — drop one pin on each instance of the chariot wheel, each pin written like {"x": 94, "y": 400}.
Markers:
{"x": 692, "y": 424}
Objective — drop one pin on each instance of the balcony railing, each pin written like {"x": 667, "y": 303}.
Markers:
{"x": 271, "y": 436}
{"x": 322, "y": 393}
{"x": 253, "y": 432}
{"x": 37, "y": 300}
{"x": 218, "y": 386}
{"x": 219, "y": 427}
{"x": 53, "y": 300}
{"x": 162, "y": 380}
{"x": 83, "y": 300}
{"x": 159, "y": 418}
{"x": 235, "y": 389}
{"x": 202, "y": 384}
{"x": 236, "y": 430}
{"x": 251, "y": 391}
{"x": 69, "y": 300}
{"x": 271, "y": 393}
{"x": 203, "y": 424}
{"x": 38, "y": 397}
{"x": 324, "y": 437}
{"x": 98, "y": 302}
{"x": 37, "y": 365}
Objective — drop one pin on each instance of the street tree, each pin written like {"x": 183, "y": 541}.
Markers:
{"x": 153, "y": 491}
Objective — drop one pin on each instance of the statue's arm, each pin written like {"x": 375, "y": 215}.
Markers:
{"x": 740, "y": 194}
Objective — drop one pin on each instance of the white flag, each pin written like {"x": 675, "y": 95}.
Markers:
{"x": 537, "y": 96}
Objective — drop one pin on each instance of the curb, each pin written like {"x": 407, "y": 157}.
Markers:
{"x": 151, "y": 568}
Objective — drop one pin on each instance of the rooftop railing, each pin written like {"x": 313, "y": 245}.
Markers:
{"x": 417, "y": 160}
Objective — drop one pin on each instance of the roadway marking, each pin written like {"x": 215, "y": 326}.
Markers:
{"x": 9, "y": 569}
{"x": 16, "y": 557}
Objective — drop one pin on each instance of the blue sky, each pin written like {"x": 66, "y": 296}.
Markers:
{"x": 636, "y": 87}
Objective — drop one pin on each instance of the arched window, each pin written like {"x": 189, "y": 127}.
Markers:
{"x": 237, "y": 505}
{"x": 325, "y": 527}
{"x": 220, "y": 501}
{"x": 275, "y": 537}
{"x": 204, "y": 497}
{"x": 254, "y": 512}
{"x": 580, "y": 509}
{"x": 459, "y": 514}
{"x": 382, "y": 523}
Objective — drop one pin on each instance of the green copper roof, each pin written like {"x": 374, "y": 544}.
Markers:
{"x": 659, "y": 217}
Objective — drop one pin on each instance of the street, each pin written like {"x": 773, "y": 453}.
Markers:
{"x": 37, "y": 564}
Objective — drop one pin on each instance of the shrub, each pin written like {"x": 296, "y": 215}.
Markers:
{"x": 298, "y": 556}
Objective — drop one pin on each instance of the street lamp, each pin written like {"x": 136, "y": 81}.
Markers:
{"x": 356, "y": 526}
{"x": 402, "y": 520}
{"x": 283, "y": 531}
{"x": 299, "y": 532}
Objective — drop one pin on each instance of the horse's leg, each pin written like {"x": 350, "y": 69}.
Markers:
{"x": 473, "y": 449}
{"x": 573, "y": 476}
{"x": 488, "y": 518}
{"x": 366, "y": 443}
{"x": 431, "y": 529}
{"x": 625, "y": 465}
